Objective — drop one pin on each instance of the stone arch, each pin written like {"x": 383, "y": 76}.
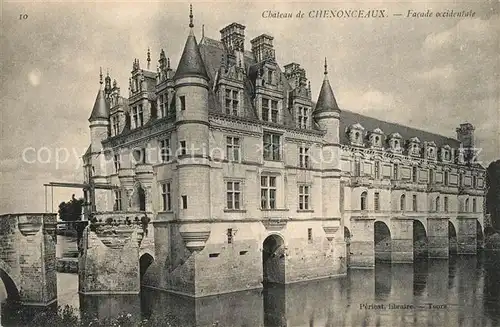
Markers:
{"x": 273, "y": 259}
{"x": 452, "y": 238}
{"x": 420, "y": 241}
{"x": 383, "y": 241}
{"x": 145, "y": 261}
{"x": 138, "y": 197}
{"x": 9, "y": 282}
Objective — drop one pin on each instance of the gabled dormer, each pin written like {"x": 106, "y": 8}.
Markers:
{"x": 413, "y": 147}
{"x": 394, "y": 142}
{"x": 376, "y": 138}
{"x": 430, "y": 150}
{"x": 356, "y": 134}
{"x": 299, "y": 98}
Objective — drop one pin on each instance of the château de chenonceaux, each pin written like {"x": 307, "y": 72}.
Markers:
{"x": 224, "y": 173}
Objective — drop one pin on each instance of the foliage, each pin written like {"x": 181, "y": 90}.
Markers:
{"x": 71, "y": 210}
{"x": 493, "y": 195}
{"x": 68, "y": 316}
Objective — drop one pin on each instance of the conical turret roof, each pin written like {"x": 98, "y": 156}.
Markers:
{"x": 101, "y": 109}
{"x": 191, "y": 63}
{"x": 326, "y": 99}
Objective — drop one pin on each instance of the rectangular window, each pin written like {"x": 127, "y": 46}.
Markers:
{"x": 415, "y": 208}
{"x": 274, "y": 111}
{"x": 395, "y": 172}
{"x": 414, "y": 175}
{"x": 474, "y": 205}
{"x": 163, "y": 104}
{"x": 231, "y": 101}
{"x": 309, "y": 235}
{"x": 445, "y": 204}
{"x": 270, "y": 110}
{"x": 229, "y": 235}
{"x": 265, "y": 109}
{"x": 271, "y": 146}
{"x": 182, "y": 100}
{"x": 116, "y": 125}
{"x": 268, "y": 192}
{"x": 166, "y": 196}
{"x": 118, "y": 201}
{"x": 303, "y": 157}
{"x": 270, "y": 76}
{"x": 116, "y": 162}
{"x": 376, "y": 201}
{"x": 134, "y": 117}
{"x": 233, "y": 148}
{"x": 304, "y": 196}
{"x": 446, "y": 178}
{"x": 377, "y": 169}
{"x": 473, "y": 181}
{"x": 357, "y": 167}
{"x": 183, "y": 147}
{"x": 431, "y": 176}
{"x": 233, "y": 195}
{"x": 165, "y": 150}
{"x": 184, "y": 202}
{"x": 140, "y": 115}
{"x": 302, "y": 117}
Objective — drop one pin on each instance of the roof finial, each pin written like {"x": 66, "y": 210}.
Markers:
{"x": 191, "y": 25}
{"x": 203, "y": 30}
{"x": 326, "y": 67}
{"x": 149, "y": 57}
{"x": 100, "y": 75}
{"x": 168, "y": 63}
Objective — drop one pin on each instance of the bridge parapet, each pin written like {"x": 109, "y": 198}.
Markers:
{"x": 28, "y": 257}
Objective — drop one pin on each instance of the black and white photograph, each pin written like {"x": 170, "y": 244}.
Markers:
{"x": 249, "y": 163}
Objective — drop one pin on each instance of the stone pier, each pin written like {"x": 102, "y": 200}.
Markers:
{"x": 362, "y": 243}
{"x": 437, "y": 237}
{"x": 402, "y": 240}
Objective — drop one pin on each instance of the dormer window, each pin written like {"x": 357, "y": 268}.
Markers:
{"x": 269, "y": 110}
{"x": 446, "y": 153}
{"x": 115, "y": 125}
{"x": 163, "y": 104}
{"x": 430, "y": 150}
{"x": 395, "y": 140}
{"x": 302, "y": 117}
{"x": 270, "y": 76}
{"x": 231, "y": 101}
{"x": 376, "y": 138}
{"x": 356, "y": 134}
{"x": 137, "y": 116}
{"x": 413, "y": 147}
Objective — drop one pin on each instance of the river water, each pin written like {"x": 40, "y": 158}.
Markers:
{"x": 461, "y": 291}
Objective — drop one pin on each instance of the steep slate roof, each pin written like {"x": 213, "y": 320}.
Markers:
{"x": 101, "y": 108}
{"x": 348, "y": 118}
{"x": 212, "y": 51}
{"x": 191, "y": 63}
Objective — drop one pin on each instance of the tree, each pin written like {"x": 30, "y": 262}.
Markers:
{"x": 71, "y": 210}
{"x": 493, "y": 194}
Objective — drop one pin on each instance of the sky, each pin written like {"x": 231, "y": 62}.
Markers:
{"x": 429, "y": 73}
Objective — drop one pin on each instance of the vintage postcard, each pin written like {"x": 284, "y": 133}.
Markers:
{"x": 258, "y": 163}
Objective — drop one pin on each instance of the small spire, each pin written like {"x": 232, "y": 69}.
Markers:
{"x": 326, "y": 67}
{"x": 203, "y": 31}
{"x": 168, "y": 63}
{"x": 100, "y": 76}
{"x": 191, "y": 25}
{"x": 149, "y": 57}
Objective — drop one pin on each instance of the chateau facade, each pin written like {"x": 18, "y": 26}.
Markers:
{"x": 247, "y": 179}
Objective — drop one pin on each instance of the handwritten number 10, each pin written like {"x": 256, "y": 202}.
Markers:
{"x": 23, "y": 16}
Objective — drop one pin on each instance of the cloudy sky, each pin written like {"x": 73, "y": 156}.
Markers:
{"x": 429, "y": 73}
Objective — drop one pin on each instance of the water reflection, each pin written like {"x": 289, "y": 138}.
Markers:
{"x": 461, "y": 291}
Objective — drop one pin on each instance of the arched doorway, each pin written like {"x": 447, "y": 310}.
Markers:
{"x": 382, "y": 239}
{"x": 144, "y": 262}
{"x": 347, "y": 240}
{"x": 273, "y": 260}
{"x": 452, "y": 238}
{"x": 419, "y": 240}
{"x": 479, "y": 235}
{"x": 139, "y": 198}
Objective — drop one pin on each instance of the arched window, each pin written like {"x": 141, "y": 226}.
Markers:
{"x": 445, "y": 204}
{"x": 466, "y": 206}
{"x": 474, "y": 205}
{"x": 364, "y": 201}
{"x": 437, "y": 204}
{"x": 402, "y": 202}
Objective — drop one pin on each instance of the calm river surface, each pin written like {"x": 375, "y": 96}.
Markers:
{"x": 461, "y": 291}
